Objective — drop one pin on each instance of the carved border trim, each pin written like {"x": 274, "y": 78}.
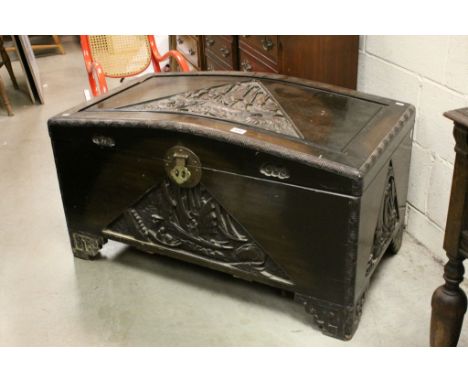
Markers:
{"x": 388, "y": 138}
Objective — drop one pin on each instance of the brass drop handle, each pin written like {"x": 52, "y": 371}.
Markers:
{"x": 179, "y": 40}
{"x": 210, "y": 41}
{"x": 267, "y": 44}
{"x": 179, "y": 172}
{"x": 246, "y": 67}
{"x": 224, "y": 52}
{"x": 191, "y": 51}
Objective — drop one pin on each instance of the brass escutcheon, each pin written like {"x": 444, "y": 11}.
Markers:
{"x": 182, "y": 166}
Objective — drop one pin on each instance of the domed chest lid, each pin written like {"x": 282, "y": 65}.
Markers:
{"x": 323, "y": 121}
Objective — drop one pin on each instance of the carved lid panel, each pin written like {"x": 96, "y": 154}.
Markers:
{"x": 308, "y": 119}
{"x": 323, "y": 118}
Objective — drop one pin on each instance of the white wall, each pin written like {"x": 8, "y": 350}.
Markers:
{"x": 431, "y": 72}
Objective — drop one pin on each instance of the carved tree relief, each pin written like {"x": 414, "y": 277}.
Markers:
{"x": 247, "y": 102}
{"x": 387, "y": 221}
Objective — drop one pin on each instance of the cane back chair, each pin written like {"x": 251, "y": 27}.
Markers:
{"x": 122, "y": 56}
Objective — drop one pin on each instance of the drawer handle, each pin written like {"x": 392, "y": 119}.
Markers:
{"x": 179, "y": 40}
{"x": 210, "y": 41}
{"x": 191, "y": 51}
{"x": 245, "y": 65}
{"x": 267, "y": 44}
{"x": 209, "y": 67}
{"x": 224, "y": 52}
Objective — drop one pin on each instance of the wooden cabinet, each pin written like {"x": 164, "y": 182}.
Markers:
{"x": 329, "y": 59}
{"x": 220, "y": 52}
{"x": 191, "y": 49}
{"x": 259, "y": 52}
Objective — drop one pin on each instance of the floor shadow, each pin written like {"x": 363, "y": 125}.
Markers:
{"x": 212, "y": 281}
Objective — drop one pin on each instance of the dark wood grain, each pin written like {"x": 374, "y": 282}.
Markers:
{"x": 330, "y": 59}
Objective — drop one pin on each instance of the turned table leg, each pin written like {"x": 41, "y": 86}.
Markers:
{"x": 448, "y": 306}
{"x": 449, "y": 301}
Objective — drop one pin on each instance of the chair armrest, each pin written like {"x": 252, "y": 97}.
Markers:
{"x": 183, "y": 64}
{"x": 178, "y": 57}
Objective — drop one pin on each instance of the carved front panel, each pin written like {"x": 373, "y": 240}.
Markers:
{"x": 190, "y": 220}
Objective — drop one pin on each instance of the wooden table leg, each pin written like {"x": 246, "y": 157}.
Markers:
{"x": 5, "y": 99}
{"x": 449, "y": 301}
{"x": 58, "y": 43}
{"x": 7, "y": 62}
{"x": 448, "y": 306}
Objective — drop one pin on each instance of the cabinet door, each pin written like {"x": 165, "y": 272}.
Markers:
{"x": 329, "y": 59}
{"x": 250, "y": 63}
{"x": 214, "y": 63}
{"x": 261, "y": 45}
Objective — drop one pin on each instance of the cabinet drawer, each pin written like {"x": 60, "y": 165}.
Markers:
{"x": 214, "y": 63}
{"x": 212, "y": 41}
{"x": 223, "y": 48}
{"x": 188, "y": 46}
{"x": 265, "y": 45}
{"x": 249, "y": 63}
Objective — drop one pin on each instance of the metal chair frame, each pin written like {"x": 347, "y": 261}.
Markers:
{"x": 97, "y": 75}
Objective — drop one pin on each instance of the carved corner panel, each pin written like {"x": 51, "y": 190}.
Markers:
{"x": 85, "y": 245}
{"x": 332, "y": 319}
{"x": 247, "y": 102}
{"x": 190, "y": 221}
{"x": 387, "y": 222}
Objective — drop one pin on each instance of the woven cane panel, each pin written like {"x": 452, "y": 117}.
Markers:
{"x": 120, "y": 56}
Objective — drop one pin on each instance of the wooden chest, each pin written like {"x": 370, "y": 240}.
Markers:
{"x": 282, "y": 181}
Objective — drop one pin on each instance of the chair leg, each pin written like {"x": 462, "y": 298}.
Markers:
{"x": 7, "y": 62}
{"x": 5, "y": 99}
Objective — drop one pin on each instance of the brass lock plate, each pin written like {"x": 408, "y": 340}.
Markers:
{"x": 182, "y": 166}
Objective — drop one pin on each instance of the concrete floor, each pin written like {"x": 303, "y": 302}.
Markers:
{"x": 47, "y": 297}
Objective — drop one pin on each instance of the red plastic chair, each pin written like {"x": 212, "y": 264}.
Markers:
{"x": 122, "y": 56}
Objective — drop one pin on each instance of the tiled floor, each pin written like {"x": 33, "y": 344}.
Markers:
{"x": 128, "y": 298}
